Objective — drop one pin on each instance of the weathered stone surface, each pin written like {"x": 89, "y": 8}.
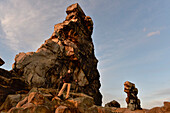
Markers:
{"x": 10, "y": 84}
{"x": 133, "y": 103}
{"x": 113, "y": 103}
{"x": 1, "y": 62}
{"x": 63, "y": 109}
{"x": 31, "y": 109}
{"x": 99, "y": 109}
{"x": 83, "y": 102}
{"x": 69, "y": 47}
{"x": 35, "y": 102}
{"x": 11, "y": 101}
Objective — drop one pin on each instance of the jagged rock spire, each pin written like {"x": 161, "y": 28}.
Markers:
{"x": 69, "y": 47}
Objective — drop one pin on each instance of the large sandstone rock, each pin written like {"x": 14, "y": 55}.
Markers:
{"x": 69, "y": 47}
{"x": 133, "y": 103}
{"x": 1, "y": 62}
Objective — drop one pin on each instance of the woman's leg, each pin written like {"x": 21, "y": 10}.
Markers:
{"x": 68, "y": 90}
{"x": 62, "y": 89}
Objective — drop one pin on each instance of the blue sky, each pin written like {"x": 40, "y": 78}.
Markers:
{"x": 131, "y": 39}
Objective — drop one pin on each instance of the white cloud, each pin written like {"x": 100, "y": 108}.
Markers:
{"x": 153, "y": 33}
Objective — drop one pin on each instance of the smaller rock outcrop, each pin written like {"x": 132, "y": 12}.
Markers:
{"x": 113, "y": 103}
{"x": 1, "y": 62}
{"x": 133, "y": 103}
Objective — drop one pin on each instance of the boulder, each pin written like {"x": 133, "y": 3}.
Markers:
{"x": 69, "y": 47}
{"x": 1, "y": 62}
{"x": 82, "y": 102}
{"x": 113, "y": 103}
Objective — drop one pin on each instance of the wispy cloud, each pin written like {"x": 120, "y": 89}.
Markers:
{"x": 153, "y": 33}
{"x": 2, "y": 33}
{"x": 161, "y": 92}
{"x": 26, "y": 24}
{"x": 144, "y": 29}
{"x": 158, "y": 97}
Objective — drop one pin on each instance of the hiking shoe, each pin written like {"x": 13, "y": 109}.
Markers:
{"x": 60, "y": 97}
{"x": 67, "y": 98}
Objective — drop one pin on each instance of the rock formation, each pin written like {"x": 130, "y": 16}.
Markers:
{"x": 1, "y": 62}
{"x": 69, "y": 47}
{"x": 133, "y": 103}
{"x": 40, "y": 101}
{"x": 113, "y": 103}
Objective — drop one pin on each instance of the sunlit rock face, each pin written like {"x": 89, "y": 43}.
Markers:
{"x": 69, "y": 47}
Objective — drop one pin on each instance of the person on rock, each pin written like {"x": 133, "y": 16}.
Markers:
{"x": 67, "y": 79}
